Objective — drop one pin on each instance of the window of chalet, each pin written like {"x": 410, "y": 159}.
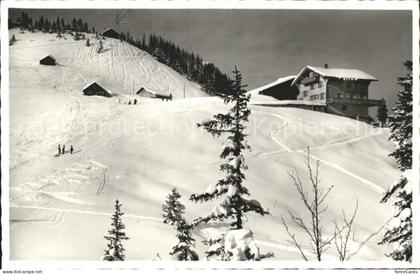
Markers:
{"x": 322, "y": 95}
{"x": 305, "y": 93}
{"x": 344, "y": 107}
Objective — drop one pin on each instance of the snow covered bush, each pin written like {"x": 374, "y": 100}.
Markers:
{"x": 399, "y": 233}
{"x": 115, "y": 249}
{"x": 235, "y": 203}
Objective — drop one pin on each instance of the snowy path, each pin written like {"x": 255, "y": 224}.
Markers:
{"x": 274, "y": 137}
{"x": 86, "y": 212}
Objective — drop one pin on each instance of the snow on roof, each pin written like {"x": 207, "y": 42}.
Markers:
{"x": 108, "y": 29}
{"x": 48, "y": 56}
{"x": 346, "y": 74}
{"x": 288, "y": 103}
{"x": 146, "y": 89}
{"x": 94, "y": 82}
{"x": 272, "y": 84}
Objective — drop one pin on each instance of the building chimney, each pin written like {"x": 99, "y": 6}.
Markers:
{"x": 326, "y": 66}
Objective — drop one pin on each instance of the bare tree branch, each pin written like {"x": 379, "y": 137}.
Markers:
{"x": 292, "y": 236}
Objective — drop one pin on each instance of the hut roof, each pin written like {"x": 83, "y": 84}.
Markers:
{"x": 48, "y": 57}
{"x": 94, "y": 83}
{"x": 279, "y": 81}
{"x": 346, "y": 74}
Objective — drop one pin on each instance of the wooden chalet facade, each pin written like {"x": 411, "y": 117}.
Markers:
{"x": 340, "y": 91}
{"x": 111, "y": 33}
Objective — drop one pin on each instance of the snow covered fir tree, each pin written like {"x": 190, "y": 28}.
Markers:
{"x": 173, "y": 209}
{"x": 184, "y": 249}
{"x": 235, "y": 203}
{"x": 399, "y": 232}
{"x": 115, "y": 249}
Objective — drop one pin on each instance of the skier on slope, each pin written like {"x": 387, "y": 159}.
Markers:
{"x": 63, "y": 150}
{"x": 59, "y": 149}
{"x": 71, "y": 149}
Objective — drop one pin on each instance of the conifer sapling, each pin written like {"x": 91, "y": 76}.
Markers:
{"x": 173, "y": 209}
{"x": 115, "y": 249}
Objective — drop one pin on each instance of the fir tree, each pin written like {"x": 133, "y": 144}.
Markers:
{"x": 184, "y": 249}
{"x": 115, "y": 249}
{"x": 382, "y": 114}
{"x": 401, "y": 123}
{"x": 400, "y": 233}
{"x": 87, "y": 42}
{"x": 173, "y": 209}
{"x": 235, "y": 204}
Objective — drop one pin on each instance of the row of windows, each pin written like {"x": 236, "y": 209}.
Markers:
{"x": 319, "y": 96}
{"x": 312, "y": 86}
{"x": 350, "y": 96}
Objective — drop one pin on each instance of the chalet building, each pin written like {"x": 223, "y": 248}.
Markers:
{"x": 281, "y": 89}
{"x": 96, "y": 89}
{"x": 145, "y": 92}
{"x": 111, "y": 33}
{"x": 339, "y": 91}
{"x": 47, "y": 61}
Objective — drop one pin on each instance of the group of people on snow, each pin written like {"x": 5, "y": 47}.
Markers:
{"x": 62, "y": 149}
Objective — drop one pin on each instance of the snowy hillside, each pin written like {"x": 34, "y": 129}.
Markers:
{"x": 119, "y": 68}
{"x": 64, "y": 203}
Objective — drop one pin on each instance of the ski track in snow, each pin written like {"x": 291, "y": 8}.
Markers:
{"x": 373, "y": 186}
{"x": 86, "y": 212}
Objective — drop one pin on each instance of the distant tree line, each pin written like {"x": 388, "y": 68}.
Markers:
{"x": 189, "y": 64}
{"x": 24, "y": 21}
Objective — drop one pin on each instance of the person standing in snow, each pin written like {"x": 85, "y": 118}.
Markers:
{"x": 129, "y": 102}
{"x": 63, "y": 150}
{"x": 71, "y": 149}
{"x": 135, "y": 101}
{"x": 59, "y": 149}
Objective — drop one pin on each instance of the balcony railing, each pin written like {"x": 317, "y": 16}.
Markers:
{"x": 309, "y": 80}
{"x": 349, "y": 101}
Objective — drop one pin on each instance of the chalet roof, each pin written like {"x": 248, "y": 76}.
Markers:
{"x": 95, "y": 83}
{"x": 146, "y": 89}
{"x": 109, "y": 29}
{"x": 48, "y": 57}
{"x": 272, "y": 84}
{"x": 346, "y": 74}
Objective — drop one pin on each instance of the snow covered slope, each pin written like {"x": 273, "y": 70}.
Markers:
{"x": 63, "y": 204}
